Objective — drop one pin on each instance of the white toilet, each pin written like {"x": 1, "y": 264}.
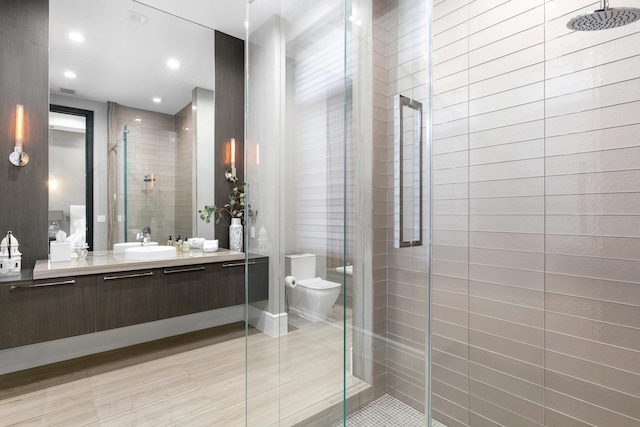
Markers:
{"x": 312, "y": 297}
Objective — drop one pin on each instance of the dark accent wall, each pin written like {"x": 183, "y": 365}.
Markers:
{"x": 229, "y": 118}
{"x": 24, "y": 79}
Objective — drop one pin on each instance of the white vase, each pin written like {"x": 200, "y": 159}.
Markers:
{"x": 235, "y": 235}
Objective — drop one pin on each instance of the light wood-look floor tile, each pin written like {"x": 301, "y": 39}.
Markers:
{"x": 197, "y": 379}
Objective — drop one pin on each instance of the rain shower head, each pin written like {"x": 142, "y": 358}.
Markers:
{"x": 604, "y": 18}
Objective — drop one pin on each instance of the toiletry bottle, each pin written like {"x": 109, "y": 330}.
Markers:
{"x": 169, "y": 242}
{"x": 178, "y": 245}
{"x": 185, "y": 245}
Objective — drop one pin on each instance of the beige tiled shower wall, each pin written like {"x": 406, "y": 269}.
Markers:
{"x": 536, "y": 257}
{"x": 382, "y": 194}
{"x": 400, "y": 282}
{"x": 150, "y": 150}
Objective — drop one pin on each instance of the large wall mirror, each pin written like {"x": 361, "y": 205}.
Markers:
{"x": 141, "y": 71}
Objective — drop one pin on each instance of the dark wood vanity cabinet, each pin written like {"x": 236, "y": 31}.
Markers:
{"x": 192, "y": 289}
{"x": 35, "y": 311}
{"x": 127, "y": 298}
{"x": 185, "y": 290}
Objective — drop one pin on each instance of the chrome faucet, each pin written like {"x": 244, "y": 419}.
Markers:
{"x": 144, "y": 237}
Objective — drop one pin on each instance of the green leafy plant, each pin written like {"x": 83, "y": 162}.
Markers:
{"x": 236, "y": 207}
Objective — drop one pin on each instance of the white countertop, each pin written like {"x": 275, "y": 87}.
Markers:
{"x": 106, "y": 262}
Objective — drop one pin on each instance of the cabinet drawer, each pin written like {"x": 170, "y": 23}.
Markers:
{"x": 259, "y": 280}
{"x": 44, "y": 310}
{"x": 228, "y": 281}
{"x": 185, "y": 290}
{"x": 127, "y": 298}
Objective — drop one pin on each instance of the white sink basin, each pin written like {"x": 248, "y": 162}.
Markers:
{"x": 149, "y": 253}
{"x": 119, "y": 248}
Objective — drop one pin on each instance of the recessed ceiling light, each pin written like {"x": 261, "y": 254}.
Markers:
{"x": 76, "y": 37}
{"x": 173, "y": 63}
{"x": 70, "y": 74}
{"x": 157, "y": 100}
{"x": 138, "y": 120}
{"x": 138, "y": 17}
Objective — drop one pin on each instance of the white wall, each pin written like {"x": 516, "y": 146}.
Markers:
{"x": 67, "y": 165}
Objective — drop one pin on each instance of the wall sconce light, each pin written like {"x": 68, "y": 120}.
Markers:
{"x": 230, "y": 175}
{"x": 18, "y": 157}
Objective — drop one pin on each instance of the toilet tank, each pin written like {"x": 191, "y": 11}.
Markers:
{"x": 300, "y": 266}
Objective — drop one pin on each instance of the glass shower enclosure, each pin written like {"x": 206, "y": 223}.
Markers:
{"x": 320, "y": 138}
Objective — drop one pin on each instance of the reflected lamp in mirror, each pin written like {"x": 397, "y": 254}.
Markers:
{"x": 19, "y": 157}
{"x": 53, "y": 182}
{"x": 407, "y": 179}
{"x": 230, "y": 175}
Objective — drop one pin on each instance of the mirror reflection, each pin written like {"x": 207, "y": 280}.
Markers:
{"x": 142, "y": 72}
{"x": 70, "y": 174}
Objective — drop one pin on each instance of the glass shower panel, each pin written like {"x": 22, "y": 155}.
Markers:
{"x": 321, "y": 79}
{"x": 392, "y": 299}
{"x": 295, "y": 173}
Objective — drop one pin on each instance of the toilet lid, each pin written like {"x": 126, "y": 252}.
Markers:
{"x": 318, "y": 283}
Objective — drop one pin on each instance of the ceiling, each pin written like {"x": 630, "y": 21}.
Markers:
{"x": 127, "y": 44}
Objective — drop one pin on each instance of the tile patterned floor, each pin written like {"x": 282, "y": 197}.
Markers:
{"x": 387, "y": 411}
{"x": 197, "y": 379}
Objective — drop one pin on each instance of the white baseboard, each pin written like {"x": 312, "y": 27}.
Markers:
{"x": 29, "y": 356}
{"x": 273, "y": 325}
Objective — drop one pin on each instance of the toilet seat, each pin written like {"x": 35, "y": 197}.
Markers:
{"x": 318, "y": 283}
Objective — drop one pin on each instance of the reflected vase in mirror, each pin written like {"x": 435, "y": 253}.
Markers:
{"x": 235, "y": 235}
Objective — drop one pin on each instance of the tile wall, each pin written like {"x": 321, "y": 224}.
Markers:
{"x": 536, "y": 217}
{"x": 382, "y": 191}
{"x": 400, "y": 283}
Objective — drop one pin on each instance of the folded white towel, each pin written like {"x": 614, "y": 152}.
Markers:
{"x": 210, "y": 245}
{"x": 196, "y": 242}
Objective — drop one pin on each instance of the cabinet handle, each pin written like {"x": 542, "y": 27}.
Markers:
{"x": 129, "y": 276}
{"x": 237, "y": 264}
{"x": 184, "y": 270}
{"x": 41, "y": 285}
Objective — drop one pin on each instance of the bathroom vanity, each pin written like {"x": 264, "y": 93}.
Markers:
{"x": 74, "y": 298}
